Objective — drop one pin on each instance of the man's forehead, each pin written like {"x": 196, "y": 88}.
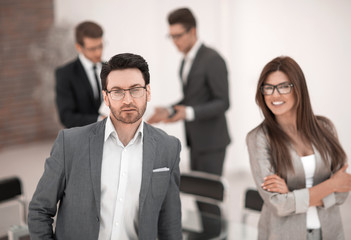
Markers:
{"x": 177, "y": 27}
{"x": 92, "y": 41}
{"x": 125, "y": 78}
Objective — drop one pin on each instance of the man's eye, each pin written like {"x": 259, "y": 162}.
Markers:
{"x": 135, "y": 89}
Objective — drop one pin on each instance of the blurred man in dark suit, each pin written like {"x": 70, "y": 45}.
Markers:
{"x": 78, "y": 85}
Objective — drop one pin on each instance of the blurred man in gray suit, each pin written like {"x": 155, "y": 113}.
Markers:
{"x": 204, "y": 77}
{"x": 114, "y": 179}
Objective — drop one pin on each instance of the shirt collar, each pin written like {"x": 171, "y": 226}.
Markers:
{"x": 110, "y": 130}
{"x": 87, "y": 64}
{"x": 193, "y": 51}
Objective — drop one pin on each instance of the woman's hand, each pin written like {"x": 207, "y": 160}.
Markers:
{"x": 341, "y": 180}
{"x": 274, "y": 183}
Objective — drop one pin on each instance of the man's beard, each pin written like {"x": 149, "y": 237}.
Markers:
{"x": 128, "y": 117}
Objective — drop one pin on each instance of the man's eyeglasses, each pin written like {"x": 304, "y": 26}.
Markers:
{"x": 93, "y": 49}
{"x": 178, "y": 36}
{"x": 135, "y": 92}
{"x": 282, "y": 88}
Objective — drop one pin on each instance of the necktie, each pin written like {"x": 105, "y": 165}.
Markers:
{"x": 97, "y": 82}
{"x": 181, "y": 70}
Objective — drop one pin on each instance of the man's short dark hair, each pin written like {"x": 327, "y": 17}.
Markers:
{"x": 182, "y": 16}
{"x": 124, "y": 61}
{"x": 88, "y": 29}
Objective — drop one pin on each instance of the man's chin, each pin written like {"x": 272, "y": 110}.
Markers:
{"x": 96, "y": 60}
{"x": 129, "y": 119}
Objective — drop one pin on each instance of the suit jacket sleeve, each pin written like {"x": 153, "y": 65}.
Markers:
{"x": 49, "y": 191}
{"x": 333, "y": 198}
{"x": 290, "y": 203}
{"x": 66, "y": 101}
{"x": 169, "y": 223}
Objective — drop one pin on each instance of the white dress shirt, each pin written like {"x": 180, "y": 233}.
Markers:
{"x": 188, "y": 62}
{"x": 309, "y": 165}
{"x": 88, "y": 67}
{"x": 121, "y": 174}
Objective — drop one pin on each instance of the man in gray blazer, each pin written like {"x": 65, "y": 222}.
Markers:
{"x": 114, "y": 179}
{"x": 204, "y": 77}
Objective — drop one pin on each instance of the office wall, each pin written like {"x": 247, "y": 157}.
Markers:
{"x": 249, "y": 33}
{"x": 26, "y": 112}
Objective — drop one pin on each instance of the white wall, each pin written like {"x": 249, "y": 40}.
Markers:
{"x": 248, "y": 33}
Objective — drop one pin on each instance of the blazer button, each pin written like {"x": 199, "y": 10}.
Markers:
{"x": 97, "y": 219}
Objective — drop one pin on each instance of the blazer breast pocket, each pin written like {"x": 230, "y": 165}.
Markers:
{"x": 159, "y": 183}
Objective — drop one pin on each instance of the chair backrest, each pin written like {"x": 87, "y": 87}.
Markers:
{"x": 202, "y": 184}
{"x": 208, "y": 191}
{"x": 253, "y": 200}
{"x": 252, "y": 203}
{"x": 11, "y": 189}
{"x": 206, "y": 188}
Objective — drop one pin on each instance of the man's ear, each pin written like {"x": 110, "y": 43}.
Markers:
{"x": 79, "y": 47}
{"x": 193, "y": 32}
{"x": 104, "y": 94}
{"x": 148, "y": 93}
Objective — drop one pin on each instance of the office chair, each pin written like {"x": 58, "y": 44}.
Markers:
{"x": 252, "y": 203}
{"x": 208, "y": 191}
{"x": 11, "y": 190}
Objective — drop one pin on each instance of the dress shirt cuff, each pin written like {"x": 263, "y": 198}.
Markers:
{"x": 302, "y": 200}
{"x": 170, "y": 111}
{"x": 329, "y": 200}
{"x": 189, "y": 113}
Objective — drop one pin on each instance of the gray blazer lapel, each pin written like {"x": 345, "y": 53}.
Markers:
{"x": 96, "y": 145}
{"x": 149, "y": 146}
{"x": 321, "y": 170}
{"x": 296, "y": 180}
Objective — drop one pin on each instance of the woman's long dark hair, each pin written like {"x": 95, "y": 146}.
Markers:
{"x": 317, "y": 130}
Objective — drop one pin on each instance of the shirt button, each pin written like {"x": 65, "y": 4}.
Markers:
{"x": 117, "y": 224}
{"x": 120, "y": 199}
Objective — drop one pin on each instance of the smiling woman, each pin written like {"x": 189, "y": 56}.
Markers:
{"x": 282, "y": 101}
{"x": 296, "y": 159}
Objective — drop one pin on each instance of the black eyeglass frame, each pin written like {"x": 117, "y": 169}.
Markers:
{"x": 276, "y": 87}
{"x": 124, "y": 92}
{"x": 93, "y": 49}
{"x": 179, "y": 35}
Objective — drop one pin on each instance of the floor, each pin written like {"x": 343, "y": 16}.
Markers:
{"x": 27, "y": 162}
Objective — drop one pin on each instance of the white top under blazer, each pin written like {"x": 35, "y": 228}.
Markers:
{"x": 309, "y": 165}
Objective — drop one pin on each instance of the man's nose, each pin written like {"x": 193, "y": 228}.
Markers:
{"x": 127, "y": 97}
{"x": 98, "y": 53}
